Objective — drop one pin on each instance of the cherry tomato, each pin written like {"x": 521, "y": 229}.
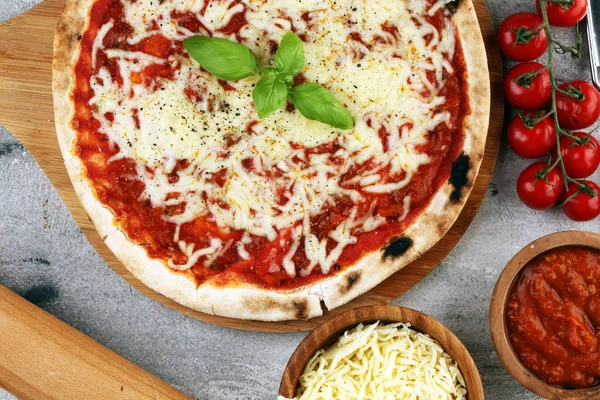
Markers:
{"x": 581, "y": 160}
{"x": 585, "y": 206}
{"x": 519, "y": 39}
{"x": 535, "y": 191}
{"x": 530, "y": 140}
{"x": 527, "y": 86}
{"x": 578, "y": 113}
{"x": 560, "y": 16}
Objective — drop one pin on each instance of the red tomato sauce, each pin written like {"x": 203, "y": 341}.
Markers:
{"x": 553, "y": 317}
{"x": 145, "y": 225}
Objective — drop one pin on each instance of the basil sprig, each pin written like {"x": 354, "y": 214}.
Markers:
{"x": 232, "y": 61}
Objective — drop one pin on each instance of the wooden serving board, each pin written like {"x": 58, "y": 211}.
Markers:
{"x": 26, "y": 111}
{"x": 41, "y": 357}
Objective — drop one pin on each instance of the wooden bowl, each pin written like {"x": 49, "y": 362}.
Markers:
{"x": 498, "y": 323}
{"x": 326, "y": 334}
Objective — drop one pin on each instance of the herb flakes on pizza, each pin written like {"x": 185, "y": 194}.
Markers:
{"x": 278, "y": 217}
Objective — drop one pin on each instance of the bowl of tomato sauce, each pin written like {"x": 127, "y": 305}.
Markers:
{"x": 545, "y": 316}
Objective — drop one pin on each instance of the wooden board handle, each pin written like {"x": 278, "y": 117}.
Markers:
{"x": 41, "y": 357}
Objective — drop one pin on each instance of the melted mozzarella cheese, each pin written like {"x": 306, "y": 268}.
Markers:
{"x": 382, "y": 362}
{"x": 377, "y": 57}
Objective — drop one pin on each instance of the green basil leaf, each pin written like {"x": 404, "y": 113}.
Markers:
{"x": 289, "y": 57}
{"x": 223, "y": 58}
{"x": 319, "y": 104}
{"x": 269, "y": 95}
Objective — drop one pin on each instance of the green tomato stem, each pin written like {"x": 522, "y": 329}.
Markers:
{"x": 563, "y": 2}
{"x": 567, "y": 179}
{"x": 555, "y": 164}
{"x": 569, "y": 134}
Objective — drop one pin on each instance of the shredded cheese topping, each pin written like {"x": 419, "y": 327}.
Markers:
{"x": 382, "y": 362}
{"x": 381, "y": 58}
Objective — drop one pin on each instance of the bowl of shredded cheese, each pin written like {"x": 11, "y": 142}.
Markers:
{"x": 381, "y": 352}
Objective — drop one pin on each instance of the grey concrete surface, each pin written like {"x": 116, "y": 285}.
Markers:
{"x": 45, "y": 258}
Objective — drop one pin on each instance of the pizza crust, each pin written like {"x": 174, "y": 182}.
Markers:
{"x": 443, "y": 210}
{"x": 241, "y": 301}
{"x": 66, "y": 50}
{"x": 244, "y": 301}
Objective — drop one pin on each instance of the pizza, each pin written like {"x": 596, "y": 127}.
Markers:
{"x": 282, "y": 217}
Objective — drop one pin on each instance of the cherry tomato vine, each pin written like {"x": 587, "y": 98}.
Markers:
{"x": 575, "y": 93}
{"x": 572, "y": 106}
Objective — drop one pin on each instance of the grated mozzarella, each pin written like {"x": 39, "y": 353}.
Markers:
{"x": 382, "y": 362}
{"x": 98, "y": 41}
{"x": 383, "y": 84}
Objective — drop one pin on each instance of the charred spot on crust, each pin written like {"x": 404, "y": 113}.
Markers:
{"x": 297, "y": 309}
{"x": 351, "y": 280}
{"x": 73, "y": 37}
{"x": 441, "y": 227}
{"x": 458, "y": 176}
{"x": 397, "y": 247}
{"x": 69, "y": 32}
{"x": 42, "y": 294}
{"x": 453, "y": 6}
{"x": 66, "y": 31}
{"x": 300, "y": 309}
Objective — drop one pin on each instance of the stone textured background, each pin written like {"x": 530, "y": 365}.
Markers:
{"x": 45, "y": 258}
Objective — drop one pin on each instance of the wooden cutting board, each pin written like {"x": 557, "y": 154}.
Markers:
{"x": 26, "y": 111}
{"x": 42, "y": 358}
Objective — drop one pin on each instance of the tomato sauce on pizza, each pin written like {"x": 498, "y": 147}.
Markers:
{"x": 192, "y": 175}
